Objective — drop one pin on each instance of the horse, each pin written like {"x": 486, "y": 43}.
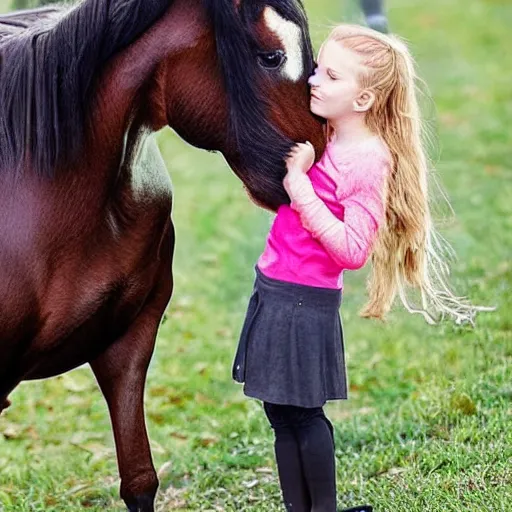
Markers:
{"x": 86, "y": 233}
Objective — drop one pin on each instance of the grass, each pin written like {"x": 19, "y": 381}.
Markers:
{"x": 427, "y": 425}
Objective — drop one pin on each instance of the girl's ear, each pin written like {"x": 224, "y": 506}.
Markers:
{"x": 364, "y": 101}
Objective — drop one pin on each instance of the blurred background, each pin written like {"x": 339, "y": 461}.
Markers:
{"x": 427, "y": 425}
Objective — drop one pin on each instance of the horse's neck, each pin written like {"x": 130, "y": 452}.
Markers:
{"x": 135, "y": 79}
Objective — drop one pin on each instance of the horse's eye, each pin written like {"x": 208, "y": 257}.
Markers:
{"x": 271, "y": 60}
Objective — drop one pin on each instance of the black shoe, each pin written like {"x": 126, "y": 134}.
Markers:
{"x": 360, "y": 508}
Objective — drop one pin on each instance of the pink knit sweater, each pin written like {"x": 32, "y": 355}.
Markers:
{"x": 333, "y": 219}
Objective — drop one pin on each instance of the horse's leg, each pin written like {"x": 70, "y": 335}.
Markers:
{"x": 121, "y": 373}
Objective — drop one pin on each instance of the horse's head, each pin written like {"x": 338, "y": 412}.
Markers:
{"x": 241, "y": 89}
{"x": 227, "y": 75}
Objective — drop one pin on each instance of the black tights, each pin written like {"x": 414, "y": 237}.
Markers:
{"x": 304, "y": 447}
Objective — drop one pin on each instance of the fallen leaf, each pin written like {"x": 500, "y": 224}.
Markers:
{"x": 264, "y": 470}
{"x": 157, "y": 447}
{"x": 98, "y": 451}
{"x": 203, "y": 399}
{"x": 463, "y": 403}
{"x": 179, "y": 435}
{"x": 164, "y": 469}
{"x": 75, "y": 383}
{"x": 82, "y": 437}
{"x": 396, "y": 471}
{"x": 207, "y": 439}
{"x": 201, "y": 368}
{"x": 13, "y": 431}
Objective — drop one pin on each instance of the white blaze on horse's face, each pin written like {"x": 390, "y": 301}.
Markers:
{"x": 290, "y": 35}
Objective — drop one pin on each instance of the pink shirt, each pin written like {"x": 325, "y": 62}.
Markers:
{"x": 332, "y": 222}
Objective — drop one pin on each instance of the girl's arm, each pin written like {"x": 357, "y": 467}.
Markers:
{"x": 348, "y": 241}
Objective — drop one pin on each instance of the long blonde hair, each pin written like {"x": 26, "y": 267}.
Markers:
{"x": 408, "y": 252}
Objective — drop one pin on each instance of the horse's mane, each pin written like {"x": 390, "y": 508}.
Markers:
{"x": 49, "y": 59}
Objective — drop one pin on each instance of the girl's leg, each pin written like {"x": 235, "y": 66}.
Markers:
{"x": 305, "y": 457}
{"x": 291, "y": 477}
{"x": 316, "y": 443}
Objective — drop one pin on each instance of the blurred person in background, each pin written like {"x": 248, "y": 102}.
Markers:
{"x": 375, "y": 17}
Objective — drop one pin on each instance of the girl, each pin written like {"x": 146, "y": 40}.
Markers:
{"x": 367, "y": 195}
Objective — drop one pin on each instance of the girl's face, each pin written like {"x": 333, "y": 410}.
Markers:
{"x": 334, "y": 85}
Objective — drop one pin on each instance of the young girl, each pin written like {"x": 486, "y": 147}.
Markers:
{"x": 366, "y": 196}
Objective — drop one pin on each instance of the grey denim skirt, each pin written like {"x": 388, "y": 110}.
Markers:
{"x": 291, "y": 349}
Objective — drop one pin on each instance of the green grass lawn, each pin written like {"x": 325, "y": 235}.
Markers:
{"x": 427, "y": 425}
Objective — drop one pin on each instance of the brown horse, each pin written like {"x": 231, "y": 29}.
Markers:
{"x": 86, "y": 237}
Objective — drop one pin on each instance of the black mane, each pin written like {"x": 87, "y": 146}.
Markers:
{"x": 49, "y": 59}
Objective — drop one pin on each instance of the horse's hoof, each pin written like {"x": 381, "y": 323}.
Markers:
{"x": 142, "y": 503}
{"x": 360, "y": 508}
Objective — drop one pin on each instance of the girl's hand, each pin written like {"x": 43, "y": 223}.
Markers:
{"x": 301, "y": 158}
{"x": 299, "y": 161}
